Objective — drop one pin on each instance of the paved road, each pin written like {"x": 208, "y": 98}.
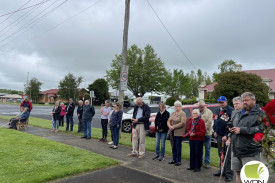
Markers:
{"x": 44, "y": 112}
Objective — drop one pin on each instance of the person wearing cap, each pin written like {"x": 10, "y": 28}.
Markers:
{"x": 222, "y": 116}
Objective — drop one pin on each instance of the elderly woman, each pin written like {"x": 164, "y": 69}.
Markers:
{"x": 56, "y": 116}
{"x": 161, "y": 131}
{"x": 62, "y": 114}
{"x": 176, "y": 124}
{"x": 196, "y": 130}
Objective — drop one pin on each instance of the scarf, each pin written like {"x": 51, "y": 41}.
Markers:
{"x": 194, "y": 124}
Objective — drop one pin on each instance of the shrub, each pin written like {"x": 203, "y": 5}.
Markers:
{"x": 170, "y": 101}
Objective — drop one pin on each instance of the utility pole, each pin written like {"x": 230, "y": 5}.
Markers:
{"x": 124, "y": 68}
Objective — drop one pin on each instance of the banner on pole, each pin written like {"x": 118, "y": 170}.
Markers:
{"x": 124, "y": 77}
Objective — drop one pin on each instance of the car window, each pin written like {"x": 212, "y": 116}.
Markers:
{"x": 213, "y": 109}
{"x": 171, "y": 110}
{"x": 154, "y": 109}
{"x": 187, "y": 112}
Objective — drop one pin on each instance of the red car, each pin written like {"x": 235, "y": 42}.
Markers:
{"x": 188, "y": 111}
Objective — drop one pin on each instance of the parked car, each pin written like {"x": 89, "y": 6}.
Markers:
{"x": 126, "y": 103}
{"x": 126, "y": 118}
{"x": 188, "y": 111}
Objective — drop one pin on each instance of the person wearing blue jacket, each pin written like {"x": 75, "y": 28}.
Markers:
{"x": 23, "y": 118}
{"x": 223, "y": 115}
{"x": 115, "y": 124}
{"x": 87, "y": 117}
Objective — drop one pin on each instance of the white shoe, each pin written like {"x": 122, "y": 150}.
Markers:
{"x": 111, "y": 143}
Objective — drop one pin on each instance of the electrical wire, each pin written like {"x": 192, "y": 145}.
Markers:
{"x": 54, "y": 27}
{"x": 24, "y": 8}
{"x": 178, "y": 46}
{"x": 34, "y": 21}
{"x": 13, "y": 13}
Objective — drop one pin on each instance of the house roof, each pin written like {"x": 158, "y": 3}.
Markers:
{"x": 51, "y": 91}
{"x": 266, "y": 73}
{"x": 209, "y": 88}
{"x": 12, "y": 96}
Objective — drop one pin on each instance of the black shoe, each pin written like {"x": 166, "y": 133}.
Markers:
{"x": 178, "y": 164}
{"x": 197, "y": 170}
{"x": 84, "y": 137}
{"x": 218, "y": 174}
{"x": 88, "y": 137}
{"x": 228, "y": 179}
{"x": 189, "y": 168}
{"x": 161, "y": 158}
{"x": 172, "y": 162}
{"x": 156, "y": 157}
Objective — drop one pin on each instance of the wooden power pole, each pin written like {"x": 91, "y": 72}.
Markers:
{"x": 124, "y": 67}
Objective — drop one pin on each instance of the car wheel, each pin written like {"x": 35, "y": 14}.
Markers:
{"x": 127, "y": 126}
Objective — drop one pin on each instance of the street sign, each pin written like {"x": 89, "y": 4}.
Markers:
{"x": 124, "y": 78}
{"x": 92, "y": 94}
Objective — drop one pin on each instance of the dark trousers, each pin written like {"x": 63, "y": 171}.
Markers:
{"x": 80, "y": 125}
{"x": 13, "y": 123}
{"x": 61, "y": 121}
{"x": 69, "y": 121}
{"x": 227, "y": 164}
{"x": 104, "y": 125}
{"x": 176, "y": 149}
{"x": 115, "y": 134}
{"x": 196, "y": 147}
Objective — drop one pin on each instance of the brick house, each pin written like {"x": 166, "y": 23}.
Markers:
{"x": 48, "y": 96}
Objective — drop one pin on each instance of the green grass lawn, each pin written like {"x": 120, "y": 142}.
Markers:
{"x": 28, "y": 158}
{"x": 125, "y": 139}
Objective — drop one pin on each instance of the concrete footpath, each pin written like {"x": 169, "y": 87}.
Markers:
{"x": 132, "y": 169}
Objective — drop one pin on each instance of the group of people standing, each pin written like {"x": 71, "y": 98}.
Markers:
{"x": 233, "y": 128}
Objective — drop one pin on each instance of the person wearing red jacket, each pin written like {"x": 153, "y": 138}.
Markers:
{"x": 26, "y": 103}
{"x": 196, "y": 130}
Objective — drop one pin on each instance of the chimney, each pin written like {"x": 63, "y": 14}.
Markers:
{"x": 238, "y": 67}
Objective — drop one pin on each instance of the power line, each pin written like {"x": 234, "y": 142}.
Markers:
{"x": 13, "y": 13}
{"x": 24, "y": 8}
{"x": 33, "y": 22}
{"x": 171, "y": 35}
{"x": 57, "y": 25}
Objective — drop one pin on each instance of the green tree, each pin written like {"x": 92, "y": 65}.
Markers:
{"x": 225, "y": 66}
{"x": 68, "y": 87}
{"x": 232, "y": 84}
{"x": 101, "y": 89}
{"x": 146, "y": 71}
{"x": 33, "y": 88}
{"x": 176, "y": 83}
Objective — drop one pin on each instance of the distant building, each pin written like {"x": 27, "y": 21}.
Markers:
{"x": 48, "y": 96}
{"x": 267, "y": 75}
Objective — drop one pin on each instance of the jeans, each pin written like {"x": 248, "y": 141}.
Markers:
{"x": 207, "y": 147}
{"x": 160, "y": 138}
{"x": 87, "y": 128}
{"x": 176, "y": 149}
{"x": 69, "y": 120}
{"x": 55, "y": 124}
{"x": 195, "y": 153}
{"x": 115, "y": 134}
{"x": 104, "y": 125}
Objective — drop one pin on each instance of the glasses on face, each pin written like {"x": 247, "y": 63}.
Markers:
{"x": 221, "y": 102}
{"x": 195, "y": 113}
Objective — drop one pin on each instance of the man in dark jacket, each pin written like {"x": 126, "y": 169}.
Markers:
{"x": 69, "y": 115}
{"x": 245, "y": 126}
{"x": 87, "y": 116}
{"x": 140, "y": 121}
{"x": 79, "y": 115}
{"x": 27, "y": 103}
{"x": 23, "y": 118}
{"x": 221, "y": 133}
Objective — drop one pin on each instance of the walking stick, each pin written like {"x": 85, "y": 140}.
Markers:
{"x": 224, "y": 161}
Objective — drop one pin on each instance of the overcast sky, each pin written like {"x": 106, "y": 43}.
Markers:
{"x": 208, "y": 32}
